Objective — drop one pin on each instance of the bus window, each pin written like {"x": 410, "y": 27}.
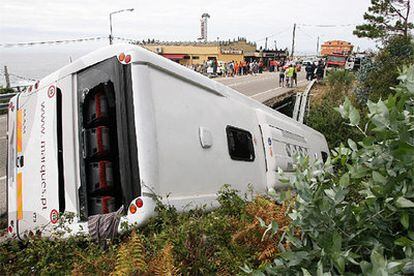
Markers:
{"x": 240, "y": 144}
{"x": 324, "y": 156}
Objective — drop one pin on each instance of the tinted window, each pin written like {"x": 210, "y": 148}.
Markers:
{"x": 240, "y": 144}
{"x": 324, "y": 156}
{"x": 336, "y": 59}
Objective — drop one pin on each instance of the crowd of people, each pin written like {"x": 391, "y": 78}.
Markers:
{"x": 288, "y": 73}
{"x": 315, "y": 70}
{"x": 288, "y": 70}
{"x": 229, "y": 69}
{"x": 288, "y": 76}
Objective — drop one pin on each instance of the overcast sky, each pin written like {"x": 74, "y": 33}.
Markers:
{"x": 37, "y": 20}
{"x": 23, "y": 20}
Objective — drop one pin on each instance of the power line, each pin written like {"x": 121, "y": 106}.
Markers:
{"x": 126, "y": 39}
{"x": 327, "y": 25}
{"x": 17, "y": 76}
{"x": 308, "y": 35}
{"x": 51, "y": 42}
{"x": 272, "y": 35}
{"x": 63, "y": 41}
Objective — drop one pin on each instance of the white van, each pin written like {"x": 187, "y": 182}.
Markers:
{"x": 121, "y": 124}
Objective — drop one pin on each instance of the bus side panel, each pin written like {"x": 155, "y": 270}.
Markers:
{"x": 187, "y": 171}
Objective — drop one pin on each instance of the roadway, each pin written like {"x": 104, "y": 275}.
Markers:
{"x": 261, "y": 87}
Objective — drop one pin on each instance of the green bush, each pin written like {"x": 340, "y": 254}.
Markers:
{"x": 374, "y": 233}
{"x": 52, "y": 257}
{"x": 397, "y": 52}
{"x": 340, "y": 79}
{"x": 6, "y": 90}
{"x": 322, "y": 115}
{"x": 197, "y": 242}
{"x": 324, "y": 119}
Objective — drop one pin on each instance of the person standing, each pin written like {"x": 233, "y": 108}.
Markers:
{"x": 295, "y": 76}
{"x": 282, "y": 77}
{"x": 223, "y": 70}
{"x": 320, "y": 70}
{"x": 228, "y": 70}
{"x": 236, "y": 68}
{"x": 214, "y": 63}
{"x": 313, "y": 70}
{"x": 309, "y": 71}
{"x": 289, "y": 75}
{"x": 241, "y": 68}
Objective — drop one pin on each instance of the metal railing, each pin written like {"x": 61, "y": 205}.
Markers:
{"x": 4, "y": 100}
{"x": 302, "y": 103}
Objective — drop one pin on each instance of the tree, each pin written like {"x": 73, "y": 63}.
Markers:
{"x": 386, "y": 18}
{"x": 377, "y": 76}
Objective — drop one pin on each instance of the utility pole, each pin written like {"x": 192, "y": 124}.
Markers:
{"x": 293, "y": 40}
{"x": 7, "y": 77}
{"x": 317, "y": 47}
{"x": 110, "y": 29}
{"x": 111, "y": 37}
{"x": 266, "y": 44}
{"x": 275, "y": 45}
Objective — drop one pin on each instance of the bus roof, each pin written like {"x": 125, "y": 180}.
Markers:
{"x": 140, "y": 55}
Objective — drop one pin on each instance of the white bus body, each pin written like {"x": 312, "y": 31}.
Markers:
{"x": 121, "y": 124}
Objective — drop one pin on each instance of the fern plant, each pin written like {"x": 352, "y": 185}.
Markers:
{"x": 163, "y": 264}
{"x": 131, "y": 258}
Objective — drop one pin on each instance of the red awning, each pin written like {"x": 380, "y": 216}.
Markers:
{"x": 173, "y": 56}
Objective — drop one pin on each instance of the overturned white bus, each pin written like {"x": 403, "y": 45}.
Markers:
{"x": 121, "y": 124}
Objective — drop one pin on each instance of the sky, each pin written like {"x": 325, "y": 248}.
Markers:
{"x": 168, "y": 20}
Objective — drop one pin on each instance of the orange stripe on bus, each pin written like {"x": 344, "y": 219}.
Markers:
{"x": 19, "y": 196}
{"x": 19, "y": 130}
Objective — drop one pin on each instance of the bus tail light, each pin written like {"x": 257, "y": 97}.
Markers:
{"x": 139, "y": 203}
{"x": 132, "y": 208}
{"x": 127, "y": 58}
{"x": 121, "y": 57}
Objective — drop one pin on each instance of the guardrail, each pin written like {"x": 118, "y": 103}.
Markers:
{"x": 302, "y": 103}
{"x": 5, "y": 97}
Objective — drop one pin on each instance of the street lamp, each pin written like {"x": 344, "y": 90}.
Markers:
{"x": 110, "y": 23}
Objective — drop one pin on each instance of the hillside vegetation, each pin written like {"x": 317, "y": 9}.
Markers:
{"x": 196, "y": 242}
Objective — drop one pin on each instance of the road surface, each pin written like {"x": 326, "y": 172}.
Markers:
{"x": 261, "y": 87}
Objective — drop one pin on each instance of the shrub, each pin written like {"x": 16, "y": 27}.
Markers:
{"x": 197, "y": 242}
{"x": 373, "y": 234}
{"x": 340, "y": 79}
{"x": 42, "y": 256}
{"x": 322, "y": 115}
{"x": 397, "y": 52}
{"x": 324, "y": 119}
{"x": 4, "y": 90}
{"x": 362, "y": 77}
